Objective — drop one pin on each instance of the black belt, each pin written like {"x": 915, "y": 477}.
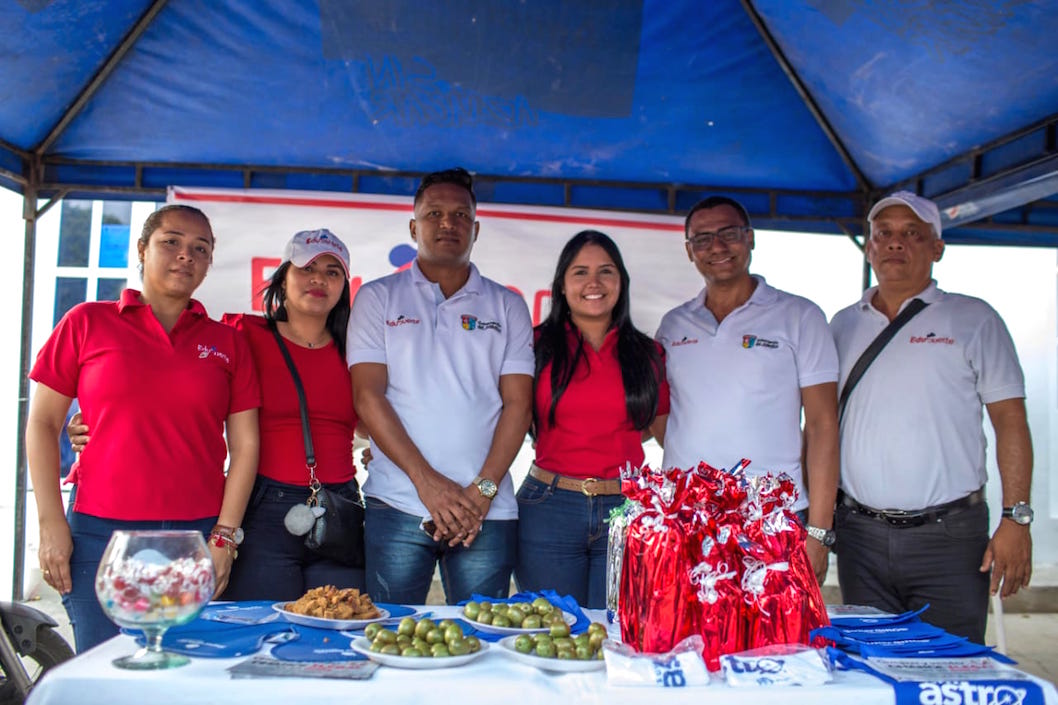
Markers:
{"x": 906, "y": 519}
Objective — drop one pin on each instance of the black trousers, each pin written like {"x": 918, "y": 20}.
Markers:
{"x": 899, "y": 569}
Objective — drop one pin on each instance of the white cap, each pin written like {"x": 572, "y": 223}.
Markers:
{"x": 307, "y": 245}
{"x": 925, "y": 209}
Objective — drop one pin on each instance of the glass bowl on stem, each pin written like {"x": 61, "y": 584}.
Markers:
{"x": 153, "y": 580}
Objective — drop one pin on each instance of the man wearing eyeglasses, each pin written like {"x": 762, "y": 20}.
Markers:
{"x": 743, "y": 359}
{"x": 912, "y": 522}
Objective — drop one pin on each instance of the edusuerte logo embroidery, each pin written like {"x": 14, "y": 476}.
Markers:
{"x": 205, "y": 351}
{"x": 932, "y": 337}
{"x": 403, "y": 320}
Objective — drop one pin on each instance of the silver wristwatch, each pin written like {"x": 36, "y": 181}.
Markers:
{"x": 1020, "y": 513}
{"x": 827, "y": 537}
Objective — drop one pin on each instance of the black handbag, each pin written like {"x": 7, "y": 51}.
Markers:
{"x": 338, "y": 530}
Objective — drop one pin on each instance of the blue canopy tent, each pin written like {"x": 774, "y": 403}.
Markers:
{"x": 804, "y": 110}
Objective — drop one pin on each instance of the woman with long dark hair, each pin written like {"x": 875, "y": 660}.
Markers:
{"x": 599, "y": 385}
{"x": 307, "y": 301}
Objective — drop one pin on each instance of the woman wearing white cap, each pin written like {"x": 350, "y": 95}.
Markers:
{"x": 307, "y": 301}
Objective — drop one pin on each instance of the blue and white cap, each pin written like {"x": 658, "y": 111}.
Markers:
{"x": 308, "y": 245}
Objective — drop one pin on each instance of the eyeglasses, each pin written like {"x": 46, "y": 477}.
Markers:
{"x": 704, "y": 240}
{"x": 914, "y": 233}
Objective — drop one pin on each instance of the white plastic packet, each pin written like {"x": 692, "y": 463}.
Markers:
{"x": 778, "y": 664}
{"x": 679, "y": 668}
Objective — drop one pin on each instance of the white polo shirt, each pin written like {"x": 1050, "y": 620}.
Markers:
{"x": 912, "y": 433}
{"x": 736, "y": 386}
{"x": 445, "y": 358}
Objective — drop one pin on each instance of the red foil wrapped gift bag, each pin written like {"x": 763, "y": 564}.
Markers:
{"x": 718, "y": 580}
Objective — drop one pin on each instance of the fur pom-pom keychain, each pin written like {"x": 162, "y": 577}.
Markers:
{"x": 301, "y": 517}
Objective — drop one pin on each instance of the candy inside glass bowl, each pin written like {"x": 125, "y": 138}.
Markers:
{"x": 153, "y": 580}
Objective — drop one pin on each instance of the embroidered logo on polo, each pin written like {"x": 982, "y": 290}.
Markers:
{"x": 403, "y": 320}
{"x": 752, "y": 341}
{"x": 474, "y": 323}
{"x": 933, "y": 338}
{"x": 683, "y": 341}
{"x": 205, "y": 351}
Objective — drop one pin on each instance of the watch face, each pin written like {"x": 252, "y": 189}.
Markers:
{"x": 238, "y": 535}
{"x": 1021, "y": 513}
{"x": 487, "y": 488}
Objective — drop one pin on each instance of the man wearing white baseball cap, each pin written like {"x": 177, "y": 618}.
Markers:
{"x": 918, "y": 367}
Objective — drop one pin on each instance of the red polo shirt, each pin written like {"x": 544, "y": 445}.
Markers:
{"x": 156, "y": 404}
{"x": 592, "y": 435}
{"x": 329, "y": 396}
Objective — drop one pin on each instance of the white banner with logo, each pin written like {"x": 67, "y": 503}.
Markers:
{"x": 518, "y": 245}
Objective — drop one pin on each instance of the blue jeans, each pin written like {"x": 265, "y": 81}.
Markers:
{"x": 274, "y": 564}
{"x": 401, "y": 558}
{"x": 899, "y": 569}
{"x": 562, "y": 539}
{"x": 90, "y": 537}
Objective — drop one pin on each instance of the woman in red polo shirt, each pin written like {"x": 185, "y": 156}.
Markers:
{"x": 307, "y": 300}
{"x": 161, "y": 382}
{"x": 599, "y": 385}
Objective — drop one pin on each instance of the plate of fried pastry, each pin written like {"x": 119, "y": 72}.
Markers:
{"x": 329, "y": 607}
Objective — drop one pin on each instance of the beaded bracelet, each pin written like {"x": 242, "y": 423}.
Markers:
{"x": 220, "y": 540}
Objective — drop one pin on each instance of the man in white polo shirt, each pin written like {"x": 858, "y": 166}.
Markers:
{"x": 442, "y": 371}
{"x": 743, "y": 359}
{"x": 912, "y": 523}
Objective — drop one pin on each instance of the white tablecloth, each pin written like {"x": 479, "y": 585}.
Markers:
{"x": 91, "y": 679}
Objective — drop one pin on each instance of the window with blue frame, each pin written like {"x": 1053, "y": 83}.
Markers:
{"x": 75, "y": 233}
{"x": 114, "y": 235}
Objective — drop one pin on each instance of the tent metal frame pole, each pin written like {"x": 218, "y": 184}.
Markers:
{"x": 864, "y": 185}
{"x": 101, "y": 75}
{"x": 29, "y": 214}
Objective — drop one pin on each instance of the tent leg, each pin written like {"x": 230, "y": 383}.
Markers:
{"x": 29, "y": 213}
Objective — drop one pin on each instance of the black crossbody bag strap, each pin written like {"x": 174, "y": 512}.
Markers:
{"x": 310, "y": 452}
{"x": 874, "y": 348}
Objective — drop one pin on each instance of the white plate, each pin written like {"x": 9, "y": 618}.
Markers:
{"x": 549, "y": 664}
{"x": 362, "y": 645}
{"x": 569, "y": 619}
{"x": 323, "y": 623}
